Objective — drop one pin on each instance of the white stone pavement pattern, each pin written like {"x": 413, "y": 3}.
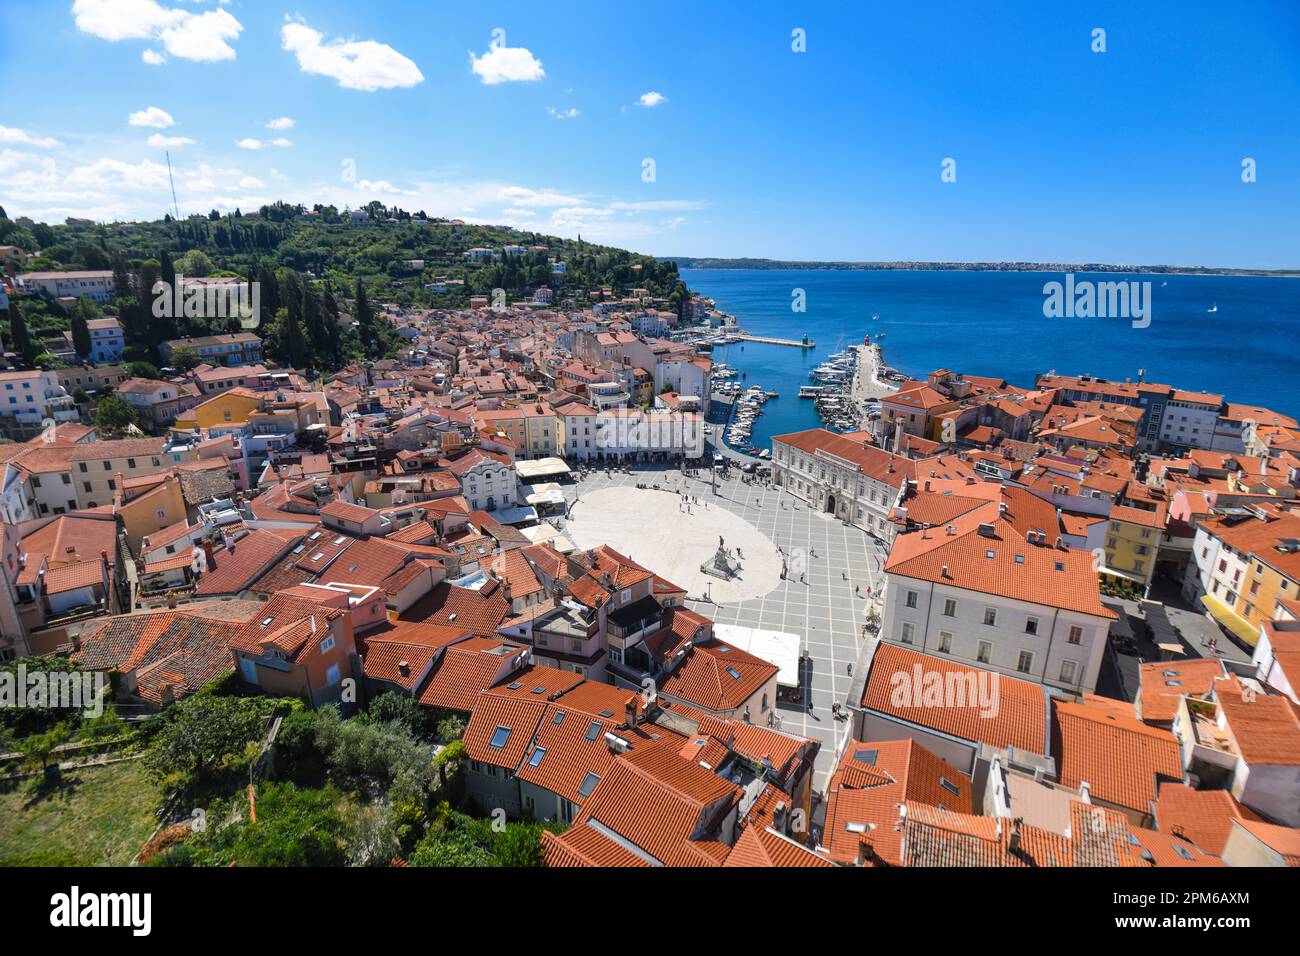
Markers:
{"x": 654, "y": 529}
{"x": 826, "y": 611}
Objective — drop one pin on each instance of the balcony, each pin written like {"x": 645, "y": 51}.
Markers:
{"x": 633, "y": 622}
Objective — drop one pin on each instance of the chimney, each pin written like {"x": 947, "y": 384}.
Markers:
{"x": 313, "y": 623}
{"x": 1013, "y": 842}
{"x": 630, "y": 710}
{"x": 404, "y": 668}
{"x": 1085, "y": 792}
{"x": 209, "y": 558}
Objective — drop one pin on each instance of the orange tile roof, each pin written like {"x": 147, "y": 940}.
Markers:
{"x": 1018, "y": 569}
{"x": 1164, "y": 684}
{"x": 1020, "y": 717}
{"x": 1202, "y": 816}
{"x": 717, "y": 677}
{"x": 763, "y": 846}
{"x": 1266, "y": 729}
{"x": 1121, "y": 759}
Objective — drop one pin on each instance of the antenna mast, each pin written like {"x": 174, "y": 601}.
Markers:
{"x": 176, "y": 211}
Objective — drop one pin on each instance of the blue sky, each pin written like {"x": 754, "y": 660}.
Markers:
{"x": 1062, "y": 154}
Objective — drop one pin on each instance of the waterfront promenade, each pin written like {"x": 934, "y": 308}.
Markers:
{"x": 768, "y": 340}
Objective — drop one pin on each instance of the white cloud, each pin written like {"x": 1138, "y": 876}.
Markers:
{"x": 523, "y": 196}
{"x": 249, "y": 142}
{"x": 570, "y": 113}
{"x": 191, "y": 36}
{"x": 506, "y": 64}
{"x": 153, "y": 116}
{"x": 642, "y": 205}
{"x": 9, "y": 134}
{"x": 169, "y": 142}
{"x": 651, "y": 99}
{"x": 280, "y": 122}
{"x": 153, "y": 57}
{"x": 356, "y": 64}
{"x": 383, "y": 186}
{"x": 251, "y": 182}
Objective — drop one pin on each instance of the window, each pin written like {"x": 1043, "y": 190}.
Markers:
{"x": 1031, "y": 625}
{"x": 949, "y": 608}
{"x": 499, "y": 737}
{"x": 909, "y": 632}
{"x": 1076, "y": 634}
{"x": 332, "y": 675}
{"x": 588, "y": 784}
{"x": 1068, "y": 669}
{"x": 327, "y": 645}
{"x": 1024, "y": 662}
{"x": 910, "y": 600}
{"x": 945, "y": 642}
{"x": 990, "y": 617}
{"x": 984, "y": 652}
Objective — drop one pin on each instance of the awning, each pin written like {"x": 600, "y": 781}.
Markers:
{"x": 531, "y": 470}
{"x": 1126, "y": 575}
{"x": 1227, "y": 617}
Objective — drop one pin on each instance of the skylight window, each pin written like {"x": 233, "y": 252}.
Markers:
{"x": 988, "y": 554}
{"x": 300, "y": 549}
{"x": 1020, "y": 559}
{"x": 499, "y": 737}
{"x": 340, "y": 539}
{"x": 588, "y": 784}
{"x": 515, "y": 685}
{"x": 607, "y": 713}
{"x": 593, "y": 730}
{"x": 536, "y": 758}
{"x": 735, "y": 674}
{"x": 949, "y": 786}
{"x": 266, "y": 621}
{"x": 559, "y": 718}
{"x": 867, "y": 757}
{"x": 539, "y": 690}
{"x": 318, "y": 555}
{"x": 855, "y": 827}
{"x": 313, "y": 536}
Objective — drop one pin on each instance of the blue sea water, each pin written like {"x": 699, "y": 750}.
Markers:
{"x": 992, "y": 323}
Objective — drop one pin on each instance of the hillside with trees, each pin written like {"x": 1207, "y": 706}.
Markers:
{"x": 323, "y": 275}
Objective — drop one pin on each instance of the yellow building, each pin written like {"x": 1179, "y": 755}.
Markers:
{"x": 231, "y": 408}
{"x": 1133, "y": 537}
{"x": 1272, "y": 577}
{"x": 148, "y": 504}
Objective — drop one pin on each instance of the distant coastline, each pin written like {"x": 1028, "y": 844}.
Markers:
{"x": 695, "y": 262}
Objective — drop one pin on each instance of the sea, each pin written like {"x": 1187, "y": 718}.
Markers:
{"x": 1238, "y": 336}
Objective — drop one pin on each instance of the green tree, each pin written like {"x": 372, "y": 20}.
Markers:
{"x": 184, "y": 358}
{"x": 202, "y": 732}
{"x": 114, "y": 415}
{"x": 295, "y": 827}
{"x": 19, "y": 337}
{"x": 82, "y": 313}
{"x": 195, "y": 263}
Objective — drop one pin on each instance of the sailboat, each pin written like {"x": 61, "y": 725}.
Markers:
{"x": 1213, "y": 308}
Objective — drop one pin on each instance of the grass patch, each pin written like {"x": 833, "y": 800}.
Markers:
{"x": 95, "y": 816}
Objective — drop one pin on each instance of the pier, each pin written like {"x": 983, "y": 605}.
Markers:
{"x": 746, "y": 337}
